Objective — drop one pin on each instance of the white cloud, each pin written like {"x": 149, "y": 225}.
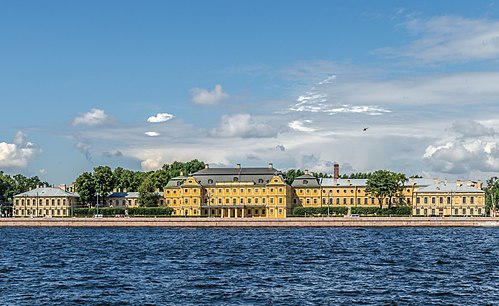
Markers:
{"x": 94, "y": 117}
{"x": 318, "y": 100}
{"x": 299, "y": 125}
{"x": 152, "y": 134}
{"x": 242, "y": 125}
{"x": 473, "y": 149}
{"x": 161, "y": 117}
{"x": 151, "y": 164}
{"x": 205, "y": 97}
{"x": 42, "y": 171}
{"x": 451, "y": 39}
{"x": 17, "y": 154}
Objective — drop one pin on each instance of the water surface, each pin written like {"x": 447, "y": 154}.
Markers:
{"x": 243, "y": 266}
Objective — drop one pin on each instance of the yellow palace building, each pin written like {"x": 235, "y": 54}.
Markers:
{"x": 230, "y": 193}
{"x": 263, "y": 193}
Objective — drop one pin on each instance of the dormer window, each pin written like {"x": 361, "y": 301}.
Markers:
{"x": 260, "y": 181}
{"x": 210, "y": 181}
{"x": 235, "y": 179}
{"x": 305, "y": 182}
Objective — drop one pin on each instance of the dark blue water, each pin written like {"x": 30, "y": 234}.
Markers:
{"x": 296, "y": 266}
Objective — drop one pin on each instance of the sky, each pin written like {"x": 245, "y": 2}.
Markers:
{"x": 406, "y": 86}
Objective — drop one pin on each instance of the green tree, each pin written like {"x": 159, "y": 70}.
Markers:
{"x": 384, "y": 184}
{"x": 104, "y": 181}
{"x": 148, "y": 196}
{"x": 491, "y": 194}
{"x": 291, "y": 174}
{"x": 85, "y": 185}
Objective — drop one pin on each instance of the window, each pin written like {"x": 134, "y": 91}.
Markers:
{"x": 337, "y": 201}
{"x": 472, "y": 200}
{"x": 263, "y": 200}
{"x": 294, "y": 201}
{"x": 249, "y": 200}
{"x": 358, "y": 201}
{"x": 433, "y": 211}
{"x": 260, "y": 181}
{"x": 418, "y": 200}
{"x": 351, "y": 201}
{"x": 241, "y": 190}
{"x": 456, "y": 211}
{"x": 479, "y": 211}
{"x": 235, "y": 179}
{"x": 464, "y": 200}
{"x": 280, "y": 211}
{"x": 365, "y": 201}
{"x": 234, "y": 201}
{"x": 425, "y": 200}
{"x": 464, "y": 211}
{"x": 280, "y": 190}
{"x": 226, "y": 200}
{"x": 280, "y": 200}
{"x": 271, "y": 190}
{"x": 448, "y": 200}
{"x": 345, "y": 201}
{"x": 323, "y": 200}
{"x": 271, "y": 200}
{"x": 418, "y": 211}
{"x": 426, "y": 212}
{"x": 315, "y": 201}
{"x": 256, "y": 200}
{"x": 47, "y": 202}
{"x": 472, "y": 211}
{"x": 308, "y": 201}
{"x": 219, "y": 200}
{"x": 432, "y": 200}
{"x": 440, "y": 200}
{"x": 242, "y": 200}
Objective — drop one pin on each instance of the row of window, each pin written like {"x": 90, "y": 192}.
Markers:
{"x": 40, "y": 201}
{"x": 448, "y": 200}
{"x": 41, "y": 212}
{"x": 440, "y": 212}
{"x": 234, "y": 201}
{"x": 345, "y": 201}
{"x": 218, "y": 212}
{"x": 231, "y": 191}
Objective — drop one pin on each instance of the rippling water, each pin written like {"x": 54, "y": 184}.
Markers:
{"x": 295, "y": 266}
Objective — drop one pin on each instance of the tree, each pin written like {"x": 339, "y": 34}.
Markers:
{"x": 147, "y": 193}
{"x": 384, "y": 184}
{"x": 104, "y": 181}
{"x": 85, "y": 185}
{"x": 291, "y": 174}
{"x": 492, "y": 194}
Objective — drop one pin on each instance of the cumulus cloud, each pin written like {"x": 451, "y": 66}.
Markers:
{"x": 153, "y": 163}
{"x": 450, "y": 38}
{"x": 474, "y": 148}
{"x": 18, "y": 153}
{"x": 152, "y": 134}
{"x": 206, "y": 97}
{"x": 92, "y": 118}
{"x": 242, "y": 125}
{"x": 161, "y": 117}
{"x": 299, "y": 125}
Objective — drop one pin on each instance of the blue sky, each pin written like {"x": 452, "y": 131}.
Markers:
{"x": 139, "y": 84}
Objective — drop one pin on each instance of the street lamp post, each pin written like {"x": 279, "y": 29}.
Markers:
{"x": 328, "y": 202}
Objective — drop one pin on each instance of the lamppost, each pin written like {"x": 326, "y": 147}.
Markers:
{"x": 328, "y": 202}
{"x": 208, "y": 197}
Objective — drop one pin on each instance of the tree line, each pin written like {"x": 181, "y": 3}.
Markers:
{"x": 95, "y": 187}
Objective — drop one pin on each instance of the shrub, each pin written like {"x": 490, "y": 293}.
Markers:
{"x": 150, "y": 211}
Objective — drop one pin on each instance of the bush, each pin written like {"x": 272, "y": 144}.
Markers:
{"x": 320, "y": 211}
{"x": 105, "y": 211}
{"x": 356, "y": 210}
{"x": 150, "y": 211}
{"x": 376, "y": 211}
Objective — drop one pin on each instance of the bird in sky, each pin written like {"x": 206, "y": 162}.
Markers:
{"x": 365, "y": 129}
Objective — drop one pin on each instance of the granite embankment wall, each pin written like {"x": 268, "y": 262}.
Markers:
{"x": 218, "y": 222}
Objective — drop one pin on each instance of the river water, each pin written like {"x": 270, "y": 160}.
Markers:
{"x": 243, "y": 266}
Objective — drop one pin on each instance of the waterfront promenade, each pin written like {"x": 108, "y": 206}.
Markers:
{"x": 253, "y": 222}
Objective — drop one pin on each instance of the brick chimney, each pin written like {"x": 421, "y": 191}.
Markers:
{"x": 336, "y": 172}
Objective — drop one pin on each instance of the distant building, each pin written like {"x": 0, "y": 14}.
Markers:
{"x": 128, "y": 199}
{"x": 43, "y": 202}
